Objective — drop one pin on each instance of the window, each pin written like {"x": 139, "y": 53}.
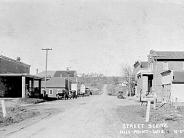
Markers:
{"x": 50, "y": 91}
{"x": 165, "y": 66}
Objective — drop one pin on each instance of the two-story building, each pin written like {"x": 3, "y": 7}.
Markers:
{"x": 160, "y": 61}
{"x": 15, "y": 79}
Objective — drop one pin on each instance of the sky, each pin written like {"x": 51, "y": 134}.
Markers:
{"x": 98, "y": 36}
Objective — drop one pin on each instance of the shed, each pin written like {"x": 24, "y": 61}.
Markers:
{"x": 54, "y": 86}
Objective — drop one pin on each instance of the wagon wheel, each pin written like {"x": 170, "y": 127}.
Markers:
{"x": 57, "y": 96}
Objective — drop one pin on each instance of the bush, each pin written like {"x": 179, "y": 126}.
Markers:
{"x": 121, "y": 97}
{"x": 115, "y": 90}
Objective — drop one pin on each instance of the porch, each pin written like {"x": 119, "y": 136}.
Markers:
{"x": 19, "y": 85}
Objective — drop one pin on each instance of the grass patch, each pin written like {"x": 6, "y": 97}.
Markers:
{"x": 15, "y": 115}
{"x": 167, "y": 114}
{"x": 31, "y": 100}
{"x": 138, "y": 113}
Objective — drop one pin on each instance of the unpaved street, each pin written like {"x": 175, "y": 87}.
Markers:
{"x": 93, "y": 116}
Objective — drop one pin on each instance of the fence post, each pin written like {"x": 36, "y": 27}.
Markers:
{"x": 148, "y": 111}
{"x": 154, "y": 104}
{"x": 3, "y": 107}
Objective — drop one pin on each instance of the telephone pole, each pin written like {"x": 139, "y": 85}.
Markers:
{"x": 68, "y": 75}
{"x": 46, "y": 49}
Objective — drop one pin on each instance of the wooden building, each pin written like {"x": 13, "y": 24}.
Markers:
{"x": 160, "y": 61}
{"x": 15, "y": 79}
{"x": 54, "y": 86}
{"x": 14, "y": 85}
{"x": 172, "y": 86}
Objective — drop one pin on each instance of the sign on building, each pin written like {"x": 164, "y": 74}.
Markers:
{"x": 82, "y": 88}
{"x": 74, "y": 87}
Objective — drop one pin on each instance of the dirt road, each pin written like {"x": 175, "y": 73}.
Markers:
{"x": 87, "y": 117}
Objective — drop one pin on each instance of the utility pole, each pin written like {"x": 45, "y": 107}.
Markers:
{"x": 155, "y": 83}
{"x": 67, "y": 68}
{"x": 46, "y": 49}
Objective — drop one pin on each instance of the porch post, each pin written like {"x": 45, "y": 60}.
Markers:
{"x": 23, "y": 86}
{"x": 32, "y": 85}
{"x": 39, "y": 86}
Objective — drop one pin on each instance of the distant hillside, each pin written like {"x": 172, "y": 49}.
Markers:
{"x": 98, "y": 82}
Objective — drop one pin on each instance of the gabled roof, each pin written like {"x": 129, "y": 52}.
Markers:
{"x": 49, "y": 74}
{"x": 65, "y": 74}
{"x": 55, "y": 82}
{"x": 144, "y": 72}
{"x": 167, "y": 54}
{"x": 13, "y": 60}
{"x": 143, "y": 64}
{"x": 61, "y": 73}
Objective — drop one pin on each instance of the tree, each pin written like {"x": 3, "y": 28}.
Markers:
{"x": 127, "y": 72}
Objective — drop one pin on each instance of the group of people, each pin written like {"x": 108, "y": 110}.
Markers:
{"x": 66, "y": 94}
{"x": 69, "y": 94}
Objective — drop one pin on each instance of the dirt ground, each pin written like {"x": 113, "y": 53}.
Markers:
{"x": 94, "y": 116}
{"x": 98, "y": 116}
{"x": 165, "y": 122}
{"x": 17, "y": 110}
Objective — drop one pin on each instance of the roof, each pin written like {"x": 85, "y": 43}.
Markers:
{"x": 71, "y": 73}
{"x": 167, "y": 54}
{"x": 143, "y": 64}
{"x": 145, "y": 72}
{"x": 55, "y": 82}
{"x": 49, "y": 74}
{"x": 13, "y": 60}
{"x": 19, "y": 75}
{"x": 61, "y": 73}
{"x": 164, "y": 73}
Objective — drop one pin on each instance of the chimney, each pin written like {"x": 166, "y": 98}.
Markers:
{"x": 18, "y": 59}
{"x": 37, "y": 71}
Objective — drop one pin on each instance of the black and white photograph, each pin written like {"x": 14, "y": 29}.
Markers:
{"x": 91, "y": 69}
